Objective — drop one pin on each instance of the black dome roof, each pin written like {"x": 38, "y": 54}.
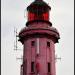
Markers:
{"x": 38, "y": 4}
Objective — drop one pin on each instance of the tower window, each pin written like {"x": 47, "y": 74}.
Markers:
{"x": 33, "y": 43}
{"x": 49, "y": 67}
{"x": 48, "y": 44}
{"x": 32, "y": 66}
{"x": 24, "y": 66}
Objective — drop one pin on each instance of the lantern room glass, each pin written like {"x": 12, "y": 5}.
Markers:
{"x": 35, "y": 16}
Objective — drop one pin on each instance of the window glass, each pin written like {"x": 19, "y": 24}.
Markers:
{"x": 32, "y": 66}
{"x": 32, "y": 43}
{"x": 48, "y": 44}
{"x": 49, "y": 66}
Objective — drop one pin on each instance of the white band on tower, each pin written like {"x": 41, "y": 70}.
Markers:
{"x": 37, "y": 45}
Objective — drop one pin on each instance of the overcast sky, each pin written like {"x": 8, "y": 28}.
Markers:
{"x": 62, "y": 17}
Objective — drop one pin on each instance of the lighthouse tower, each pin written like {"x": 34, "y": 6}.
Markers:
{"x": 38, "y": 39}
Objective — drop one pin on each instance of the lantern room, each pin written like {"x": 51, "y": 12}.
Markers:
{"x": 38, "y": 11}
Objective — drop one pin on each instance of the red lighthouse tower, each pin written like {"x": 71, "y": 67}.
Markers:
{"x": 38, "y": 39}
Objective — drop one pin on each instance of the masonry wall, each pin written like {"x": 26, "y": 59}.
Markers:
{"x": 46, "y": 55}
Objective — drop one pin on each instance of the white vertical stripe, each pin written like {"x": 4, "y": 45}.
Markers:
{"x": 38, "y": 74}
{"x": 37, "y": 45}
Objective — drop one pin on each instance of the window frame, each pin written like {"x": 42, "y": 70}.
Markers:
{"x": 32, "y": 66}
{"x": 48, "y": 44}
{"x": 32, "y": 43}
{"x": 49, "y": 67}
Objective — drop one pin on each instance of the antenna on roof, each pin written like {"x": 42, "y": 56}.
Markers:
{"x": 16, "y": 39}
{"x": 21, "y": 58}
{"x": 57, "y": 58}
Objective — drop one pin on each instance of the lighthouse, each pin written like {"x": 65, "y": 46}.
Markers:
{"x": 38, "y": 39}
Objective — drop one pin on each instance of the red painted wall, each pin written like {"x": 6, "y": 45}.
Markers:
{"x": 46, "y": 54}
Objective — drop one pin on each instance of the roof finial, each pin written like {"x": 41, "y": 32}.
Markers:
{"x": 38, "y": 0}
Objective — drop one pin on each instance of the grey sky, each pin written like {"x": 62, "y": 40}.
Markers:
{"x": 61, "y": 16}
